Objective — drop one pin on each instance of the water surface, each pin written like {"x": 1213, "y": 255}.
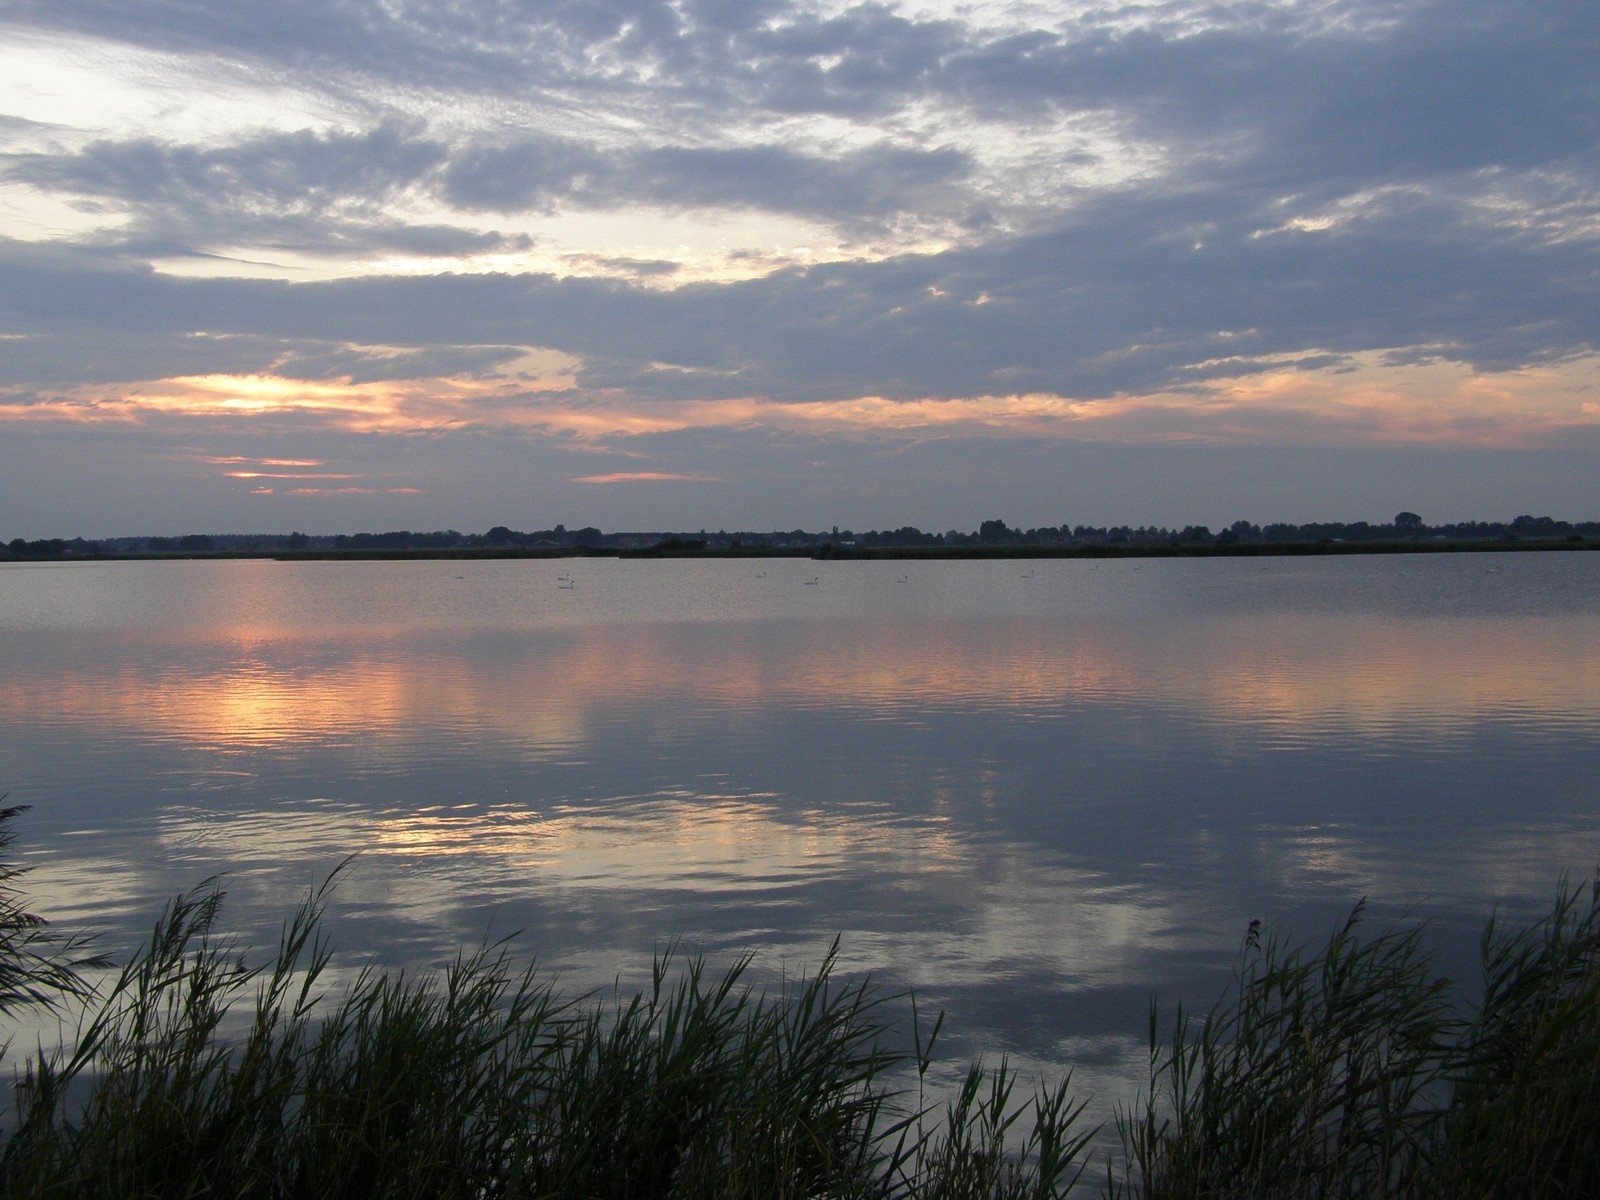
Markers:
{"x": 1034, "y": 792}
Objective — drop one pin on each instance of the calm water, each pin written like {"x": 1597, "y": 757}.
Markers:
{"x": 1034, "y": 792}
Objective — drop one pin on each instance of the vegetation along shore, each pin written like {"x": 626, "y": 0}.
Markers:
{"x": 1343, "y": 1069}
{"x": 1406, "y": 534}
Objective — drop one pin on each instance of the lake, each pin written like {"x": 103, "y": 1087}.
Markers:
{"x": 1036, "y": 793}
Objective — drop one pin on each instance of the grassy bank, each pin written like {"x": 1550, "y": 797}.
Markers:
{"x": 1344, "y": 1070}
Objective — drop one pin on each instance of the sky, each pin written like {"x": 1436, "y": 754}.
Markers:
{"x": 343, "y": 265}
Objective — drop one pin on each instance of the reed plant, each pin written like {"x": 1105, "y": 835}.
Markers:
{"x": 38, "y": 967}
{"x": 483, "y": 1082}
{"x": 1345, "y": 1069}
{"x": 1524, "y": 1116}
{"x": 1356, "y": 1071}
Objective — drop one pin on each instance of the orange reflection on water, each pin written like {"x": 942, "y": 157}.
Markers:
{"x": 1303, "y": 673}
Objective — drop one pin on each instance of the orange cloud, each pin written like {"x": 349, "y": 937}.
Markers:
{"x": 1365, "y": 400}
{"x": 374, "y": 406}
{"x": 355, "y": 491}
{"x": 648, "y": 477}
{"x": 228, "y": 460}
{"x": 285, "y": 475}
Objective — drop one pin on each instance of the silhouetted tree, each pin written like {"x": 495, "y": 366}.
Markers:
{"x": 994, "y": 531}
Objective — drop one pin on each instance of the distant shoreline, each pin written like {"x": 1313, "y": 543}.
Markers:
{"x": 846, "y": 553}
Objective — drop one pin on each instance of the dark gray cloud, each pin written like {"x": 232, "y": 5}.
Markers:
{"x": 854, "y": 187}
{"x": 1313, "y": 103}
{"x": 39, "y": 364}
{"x": 865, "y": 61}
{"x": 335, "y": 191}
{"x": 277, "y": 171}
{"x": 1130, "y": 294}
{"x": 315, "y": 192}
{"x": 1427, "y": 75}
{"x": 1445, "y": 88}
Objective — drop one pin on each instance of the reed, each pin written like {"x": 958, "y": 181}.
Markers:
{"x": 1524, "y": 1116}
{"x": 483, "y": 1082}
{"x": 1345, "y": 1069}
{"x": 1357, "y": 1071}
{"x": 38, "y": 967}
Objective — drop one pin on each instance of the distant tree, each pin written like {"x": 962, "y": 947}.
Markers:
{"x": 993, "y": 531}
{"x": 41, "y": 547}
{"x": 1407, "y": 522}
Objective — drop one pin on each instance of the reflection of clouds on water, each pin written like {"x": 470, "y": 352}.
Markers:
{"x": 291, "y": 694}
{"x": 77, "y": 890}
{"x": 1281, "y": 681}
{"x": 946, "y": 910}
{"x": 1035, "y": 815}
{"x": 1505, "y": 865}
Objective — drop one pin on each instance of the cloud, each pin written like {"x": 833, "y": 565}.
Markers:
{"x": 1129, "y": 294}
{"x": 275, "y": 171}
{"x": 867, "y": 185}
{"x": 347, "y": 491}
{"x": 312, "y": 192}
{"x": 238, "y": 460}
{"x": 648, "y": 477}
{"x": 1361, "y": 400}
{"x": 287, "y": 475}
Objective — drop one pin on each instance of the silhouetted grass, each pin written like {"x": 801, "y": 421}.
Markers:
{"x": 1349, "y": 1071}
{"x": 483, "y": 1082}
{"x": 38, "y": 968}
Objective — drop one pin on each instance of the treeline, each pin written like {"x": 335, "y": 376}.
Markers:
{"x": 1405, "y": 527}
{"x": 558, "y": 539}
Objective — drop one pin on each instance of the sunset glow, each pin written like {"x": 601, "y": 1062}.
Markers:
{"x": 1364, "y": 403}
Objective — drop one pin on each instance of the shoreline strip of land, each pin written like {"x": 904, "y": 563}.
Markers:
{"x": 850, "y": 553}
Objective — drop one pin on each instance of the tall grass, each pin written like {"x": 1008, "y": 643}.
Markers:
{"x": 1357, "y": 1071}
{"x": 1347, "y": 1070}
{"x": 38, "y": 967}
{"x": 483, "y": 1082}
